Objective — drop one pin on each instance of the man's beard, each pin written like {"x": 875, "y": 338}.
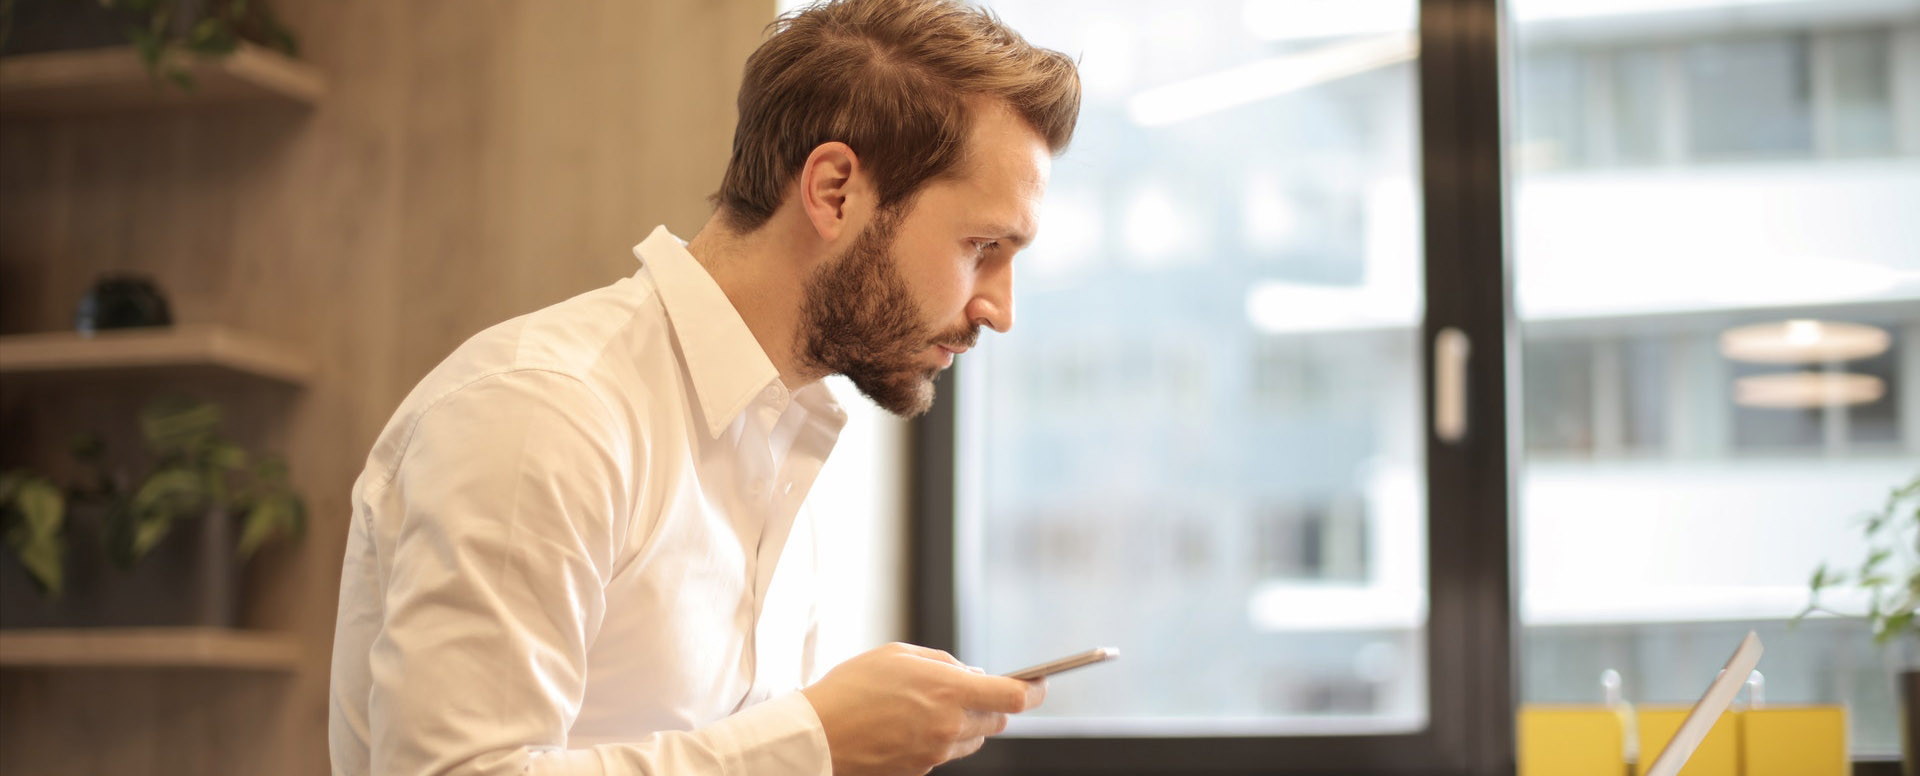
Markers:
{"x": 861, "y": 321}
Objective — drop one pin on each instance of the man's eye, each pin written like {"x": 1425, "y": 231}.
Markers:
{"x": 982, "y": 246}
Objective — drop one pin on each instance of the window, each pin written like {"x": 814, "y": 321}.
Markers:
{"x": 1207, "y": 442}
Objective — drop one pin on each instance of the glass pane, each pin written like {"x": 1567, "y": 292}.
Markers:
{"x": 1202, "y": 443}
{"x": 1862, "y": 81}
{"x": 1749, "y": 97}
{"x": 1720, "y": 341}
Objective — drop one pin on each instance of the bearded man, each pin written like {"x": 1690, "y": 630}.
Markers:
{"x": 578, "y": 546}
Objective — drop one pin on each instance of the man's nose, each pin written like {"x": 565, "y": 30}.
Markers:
{"x": 992, "y": 303}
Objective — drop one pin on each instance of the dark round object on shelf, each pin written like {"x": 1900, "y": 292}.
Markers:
{"x": 122, "y": 302}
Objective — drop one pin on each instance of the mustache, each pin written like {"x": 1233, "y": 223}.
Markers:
{"x": 964, "y": 337}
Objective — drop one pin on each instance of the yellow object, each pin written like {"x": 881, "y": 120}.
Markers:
{"x": 1571, "y": 741}
{"x": 1718, "y": 755}
{"x": 1795, "y": 741}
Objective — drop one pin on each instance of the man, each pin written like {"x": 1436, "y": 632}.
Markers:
{"x": 576, "y": 548}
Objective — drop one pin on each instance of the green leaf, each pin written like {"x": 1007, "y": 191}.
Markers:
{"x": 1885, "y": 630}
{"x": 172, "y": 491}
{"x": 262, "y": 522}
{"x": 147, "y": 44}
{"x": 42, "y": 558}
{"x": 212, "y": 36}
{"x": 278, "y": 515}
{"x": 148, "y": 532}
{"x": 1909, "y": 490}
{"x": 36, "y": 536}
{"x": 1876, "y": 522}
{"x": 41, "y": 506}
{"x": 227, "y": 455}
{"x": 1824, "y": 578}
{"x": 207, "y": 29}
{"x": 1874, "y": 559}
{"x": 178, "y": 425}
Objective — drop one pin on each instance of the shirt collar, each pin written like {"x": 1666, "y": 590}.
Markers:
{"x": 726, "y": 364}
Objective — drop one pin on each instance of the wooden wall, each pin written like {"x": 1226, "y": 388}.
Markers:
{"x": 475, "y": 159}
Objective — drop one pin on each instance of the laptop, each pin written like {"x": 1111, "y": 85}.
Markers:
{"x": 1707, "y": 711}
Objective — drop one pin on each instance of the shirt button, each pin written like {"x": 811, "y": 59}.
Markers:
{"x": 758, "y": 488}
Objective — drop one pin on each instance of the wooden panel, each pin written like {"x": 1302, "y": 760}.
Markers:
{"x": 103, "y": 723}
{"x": 148, "y": 648}
{"x": 114, "y": 79}
{"x": 472, "y": 160}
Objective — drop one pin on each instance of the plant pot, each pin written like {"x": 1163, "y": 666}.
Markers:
{"x": 188, "y": 579}
{"x": 122, "y": 301}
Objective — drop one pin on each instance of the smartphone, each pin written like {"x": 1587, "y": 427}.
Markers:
{"x": 1070, "y": 662}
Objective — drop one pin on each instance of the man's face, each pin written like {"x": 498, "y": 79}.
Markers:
{"x": 914, "y": 287}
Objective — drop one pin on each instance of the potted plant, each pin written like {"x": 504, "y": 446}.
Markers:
{"x": 160, "y": 550}
{"x": 163, "y": 32}
{"x": 1889, "y": 577}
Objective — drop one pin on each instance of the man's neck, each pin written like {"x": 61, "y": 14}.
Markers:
{"x": 764, "y": 278}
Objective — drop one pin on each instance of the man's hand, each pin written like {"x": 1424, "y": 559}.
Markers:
{"x": 902, "y": 709}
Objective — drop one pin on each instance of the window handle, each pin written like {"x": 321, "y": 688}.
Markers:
{"x": 1450, "y": 351}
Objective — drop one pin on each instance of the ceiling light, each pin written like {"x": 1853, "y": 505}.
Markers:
{"x": 1804, "y": 390}
{"x": 1803, "y": 341}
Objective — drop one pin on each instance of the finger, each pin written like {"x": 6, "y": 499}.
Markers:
{"x": 929, "y": 653}
{"x": 982, "y": 723}
{"x": 963, "y": 748}
{"x": 1036, "y": 693}
{"x": 997, "y": 693}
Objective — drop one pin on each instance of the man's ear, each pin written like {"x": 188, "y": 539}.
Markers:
{"x": 827, "y": 189}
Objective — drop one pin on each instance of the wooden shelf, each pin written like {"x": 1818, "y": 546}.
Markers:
{"x": 148, "y": 648}
{"x": 157, "y": 348}
{"x": 114, "y": 79}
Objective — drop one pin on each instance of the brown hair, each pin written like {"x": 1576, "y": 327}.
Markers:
{"x": 893, "y": 79}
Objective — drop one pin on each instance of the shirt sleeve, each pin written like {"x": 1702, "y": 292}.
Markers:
{"x": 516, "y": 491}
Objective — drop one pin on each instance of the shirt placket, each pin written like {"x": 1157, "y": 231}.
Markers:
{"x": 757, "y": 463}
{"x": 800, "y": 462}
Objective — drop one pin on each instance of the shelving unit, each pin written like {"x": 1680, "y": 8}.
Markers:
{"x": 111, "y": 80}
{"x": 175, "y": 347}
{"x": 159, "y": 700}
{"x": 213, "y": 648}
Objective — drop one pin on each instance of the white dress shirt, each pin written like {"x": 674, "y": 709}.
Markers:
{"x": 577, "y": 548}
